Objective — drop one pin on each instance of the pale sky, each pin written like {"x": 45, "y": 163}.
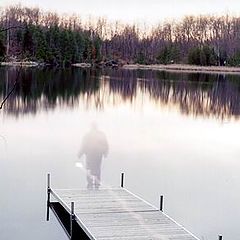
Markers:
{"x": 150, "y": 11}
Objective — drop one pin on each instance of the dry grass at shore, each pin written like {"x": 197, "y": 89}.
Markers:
{"x": 185, "y": 68}
{"x": 22, "y": 64}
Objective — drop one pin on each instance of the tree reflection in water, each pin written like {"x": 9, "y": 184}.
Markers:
{"x": 207, "y": 95}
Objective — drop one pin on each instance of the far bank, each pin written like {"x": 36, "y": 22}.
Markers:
{"x": 156, "y": 67}
{"x": 184, "y": 68}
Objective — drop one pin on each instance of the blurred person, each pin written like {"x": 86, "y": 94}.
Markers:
{"x": 95, "y": 148}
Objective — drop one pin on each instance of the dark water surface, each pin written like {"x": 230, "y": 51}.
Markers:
{"x": 174, "y": 134}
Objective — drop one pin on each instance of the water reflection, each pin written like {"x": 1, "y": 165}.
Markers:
{"x": 169, "y": 152}
{"x": 95, "y": 148}
{"x": 208, "y": 95}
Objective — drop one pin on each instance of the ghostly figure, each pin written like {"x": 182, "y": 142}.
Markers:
{"x": 94, "y": 147}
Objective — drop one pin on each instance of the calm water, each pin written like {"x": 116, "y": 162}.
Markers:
{"x": 171, "y": 133}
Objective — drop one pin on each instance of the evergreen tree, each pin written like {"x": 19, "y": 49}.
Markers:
{"x": 204, "y": 56}
{"x": 28, "y": 42}
{"x": 2, "y": 47}
{"x": 2, "y": 50}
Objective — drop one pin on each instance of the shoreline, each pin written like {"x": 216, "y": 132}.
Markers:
{"x": 184, "y": 68}
{"x": 20, "y": 64}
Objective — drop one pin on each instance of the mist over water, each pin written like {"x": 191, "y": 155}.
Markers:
{"x": 174, "y": 134}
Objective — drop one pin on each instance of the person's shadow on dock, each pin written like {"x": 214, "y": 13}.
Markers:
{"x": 95, "y": 148}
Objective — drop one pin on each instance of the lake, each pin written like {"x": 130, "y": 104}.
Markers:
{"x": 173, "y": 134}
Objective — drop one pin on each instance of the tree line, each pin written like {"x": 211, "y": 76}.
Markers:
{"x": 46, "y": 37}
{"x": 61, "y": 40}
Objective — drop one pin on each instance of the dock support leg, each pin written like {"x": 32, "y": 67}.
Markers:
{"x": 161, "y": 203}
{"x": 72, "y": 217}
{"x": 48, "y": 195}
{"x": 122, "y": 180}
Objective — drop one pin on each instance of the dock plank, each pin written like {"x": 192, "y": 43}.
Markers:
{"x": 118, "y": 214}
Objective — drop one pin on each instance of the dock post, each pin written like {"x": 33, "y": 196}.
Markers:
{"x": 220, "y": 237}
{"x": 161, "y": 203}
{"x": 48, "y": 195}
{"x": 72, "y": 217}
{"x": 122, "y": 180}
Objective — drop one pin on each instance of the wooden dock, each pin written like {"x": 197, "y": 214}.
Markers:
{"x": 112, "y": 213}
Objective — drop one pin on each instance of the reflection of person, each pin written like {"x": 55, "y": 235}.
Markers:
{"x": 95, "y": 147}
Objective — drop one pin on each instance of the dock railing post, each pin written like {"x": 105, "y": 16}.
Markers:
{"x": 220, "y": 237}
{"x": 72, "y": 217}
{"x": 48, "y": 195}
{"x": 122, "y": 180}
{"x": 161, "y": 203}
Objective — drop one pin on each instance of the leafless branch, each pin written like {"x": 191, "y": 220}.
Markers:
{"x": 9, "y": 28}
{"x": 13, "y": 88}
